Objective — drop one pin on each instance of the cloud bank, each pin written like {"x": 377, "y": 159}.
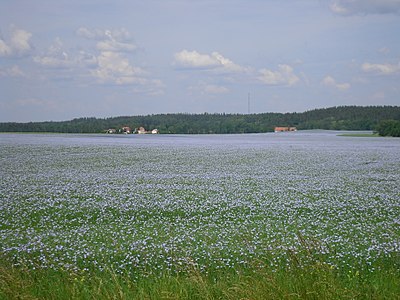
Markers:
{"x": 350, "y": 7}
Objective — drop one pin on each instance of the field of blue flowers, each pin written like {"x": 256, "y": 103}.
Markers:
{"x": 151, "y": 205}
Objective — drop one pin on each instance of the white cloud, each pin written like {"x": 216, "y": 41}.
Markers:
{"x": 87, "y": 59}
{"x": 283, "y": 76}
{"x": 20, "y": 40}
{"x": 98, "y": 34}
{"x": 381, "y": 69}
{"x": 113, "y": 45}
{"x": 349, "y": 7}
{"x": 53, "y": 62}
{"x": 13, "y": 71}
{"x": 19, "y": 43}
{"x": 337, "y": 8}
{"x": 5, "y": 49}
{"x": 194, "y": 59}
{"x": 55, "y": 57}
{"x": 89, "y": 34}
{"x": 227, "y": 64}
{"x": 111, "y": 65}
{"x": 116, "y": 40}
{"x": 114, "y": 67}
{"x": 331, "y": 82}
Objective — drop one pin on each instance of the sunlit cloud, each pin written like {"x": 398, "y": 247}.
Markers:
{"x": 111, "y": 65}
{"x": 283, "y": 76}
{"x": 114, "y": 67}
{"x": 215, "y": 60}
{"x": 331, "y": 82}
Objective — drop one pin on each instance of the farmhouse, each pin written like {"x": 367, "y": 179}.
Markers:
{"x": 284, "y": 129}
{"x": 141, "y": 130}
{"x": 126, "y": 130}
{"x": 111, "y": 130}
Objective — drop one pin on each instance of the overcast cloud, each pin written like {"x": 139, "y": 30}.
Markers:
{"x": 65, "y": 59}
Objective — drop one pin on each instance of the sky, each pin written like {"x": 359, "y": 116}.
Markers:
{"x": 68, "y": 59}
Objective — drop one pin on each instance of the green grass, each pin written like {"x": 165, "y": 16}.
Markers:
{"x": 315, "y": 280}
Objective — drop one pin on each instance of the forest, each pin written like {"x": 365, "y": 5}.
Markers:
{"x": 389, "y": 128}
{"x": 374, "y": 118}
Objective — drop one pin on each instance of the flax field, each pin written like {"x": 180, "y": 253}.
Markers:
{"x": 222, "y": 207}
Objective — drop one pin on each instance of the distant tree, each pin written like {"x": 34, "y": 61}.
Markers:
{"x": 389, "y": 128}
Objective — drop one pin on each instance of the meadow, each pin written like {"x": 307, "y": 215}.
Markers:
{"x": 305, "y": 215}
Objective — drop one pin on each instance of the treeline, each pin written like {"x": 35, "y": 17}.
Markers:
{"x": 389, "y": 128}
{"x": 334, "y": 118}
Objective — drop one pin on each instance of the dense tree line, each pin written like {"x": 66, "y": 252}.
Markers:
{"x": 334, "y": 118}
{"x": 389, "y": 128}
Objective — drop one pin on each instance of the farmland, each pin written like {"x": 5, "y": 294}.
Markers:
{"x": 147, "y": 207}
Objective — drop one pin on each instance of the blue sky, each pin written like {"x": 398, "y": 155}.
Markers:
{"x": 66, "y": 59}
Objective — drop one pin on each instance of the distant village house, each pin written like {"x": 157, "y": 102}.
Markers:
{"x": 141, "y": 130}
{"x": 126, "y": 130}
{"x": 285, "y": 129}
{"x": 111, "y": 130}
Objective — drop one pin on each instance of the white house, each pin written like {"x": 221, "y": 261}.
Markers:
{"x": 141, "y": 130}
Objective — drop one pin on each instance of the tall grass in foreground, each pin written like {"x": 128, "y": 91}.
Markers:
{"x": 314, "y": 280}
